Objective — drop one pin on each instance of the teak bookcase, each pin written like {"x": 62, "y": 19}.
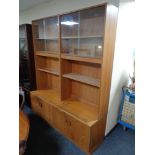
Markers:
{"x": 73, "y": 61}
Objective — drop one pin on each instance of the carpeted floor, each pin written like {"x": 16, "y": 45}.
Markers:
{"x": 44, "y": 140}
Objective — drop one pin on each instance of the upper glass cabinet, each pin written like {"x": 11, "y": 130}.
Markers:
{"x": 46, "y": 34}
{"x": 82, "y": 32}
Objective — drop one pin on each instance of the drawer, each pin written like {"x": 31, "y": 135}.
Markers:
{"x": 77, "y": 131}
{"x": 40, "y": 107}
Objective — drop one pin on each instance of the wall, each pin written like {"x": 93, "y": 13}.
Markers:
{"x": 55, "y": 7}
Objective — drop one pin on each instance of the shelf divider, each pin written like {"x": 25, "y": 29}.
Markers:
{"x": 49, "y": 70}
{"x": 50, "y": 38}
{"x": 82, "y": 59}
{"x": 82, "y": 37}
{"x": 47, "y": 54}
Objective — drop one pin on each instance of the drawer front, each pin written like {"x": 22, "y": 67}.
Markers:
{"x": 77, "y": 132}
{"x": 40, "y": 107}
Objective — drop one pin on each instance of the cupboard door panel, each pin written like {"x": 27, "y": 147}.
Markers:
{"x": 77, "y": 132}
{"x": 40, "y": 107}
{"x": 58, "y": 119}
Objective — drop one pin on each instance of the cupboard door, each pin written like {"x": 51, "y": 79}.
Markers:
{"x": 77, "y": 132}
{"x": 35, "y": 105}
{"x": 40, "y": 107}
{"x": 57, "y": 119}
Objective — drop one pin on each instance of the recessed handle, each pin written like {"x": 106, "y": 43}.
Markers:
{"x": 41, "y": 105}
{"x": 68, "y": 122}
{"x": 39, "y": 102}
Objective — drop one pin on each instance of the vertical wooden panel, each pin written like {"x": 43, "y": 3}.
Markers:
{"x": 66, "y": 88}
{"x": 96, "y": 135}
{"x": 59, "y": 49}
{"x": 108, "y": 54}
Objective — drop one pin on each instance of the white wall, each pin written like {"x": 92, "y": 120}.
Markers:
{"x": 55, "y": 7}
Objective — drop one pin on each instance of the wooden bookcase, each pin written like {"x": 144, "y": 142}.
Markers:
{"x": 73, "y": 62}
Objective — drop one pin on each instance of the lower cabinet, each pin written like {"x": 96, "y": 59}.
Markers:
{"x": 84, "y": 136}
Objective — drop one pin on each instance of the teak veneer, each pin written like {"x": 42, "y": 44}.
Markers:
{"x": 73, "y": 72}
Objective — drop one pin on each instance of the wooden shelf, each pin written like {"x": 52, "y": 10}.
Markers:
{"x": 81, "y": 110}
{"x": 50, "y": 38}
{"x": 49, "y": 70}
{"x": 50, "y": 96}
{"x": 82, "y": 78}
{"x": 47, "y": 54}
{"x": 71, "y": 37}
{"x": 82, "y": 59}
{"x": 82, "y": 37}
{"x": 22, "y": 38}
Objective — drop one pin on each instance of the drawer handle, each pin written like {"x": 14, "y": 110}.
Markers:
{"x": 41, "y": 105}
{"x": 39, "y": 102}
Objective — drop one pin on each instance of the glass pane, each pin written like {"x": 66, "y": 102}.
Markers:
{"x": 39, "y": 35}
{"x": 51, "y": 34}
{"x": 91, "y": 47}
{"x": 24, "y": 77}
{"x": 91, "y": 37}
{"x": 82, "y": 32}
{"x": 70, "y": 33}
{"x": 22, "y": 32}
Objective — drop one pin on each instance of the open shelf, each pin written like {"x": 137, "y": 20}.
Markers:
{"x": 47, "y": 54}
{"x": 22, "y": 38}
{"x": 82, "y": 59}
{"x": 50, "y": 96}
{"x": 83, "y": 111}
{"x": 83, "y": 79}
{"x": 50, "y": 38}
{"x": 49, "y": 70}
{"x": 82, "y": 37}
